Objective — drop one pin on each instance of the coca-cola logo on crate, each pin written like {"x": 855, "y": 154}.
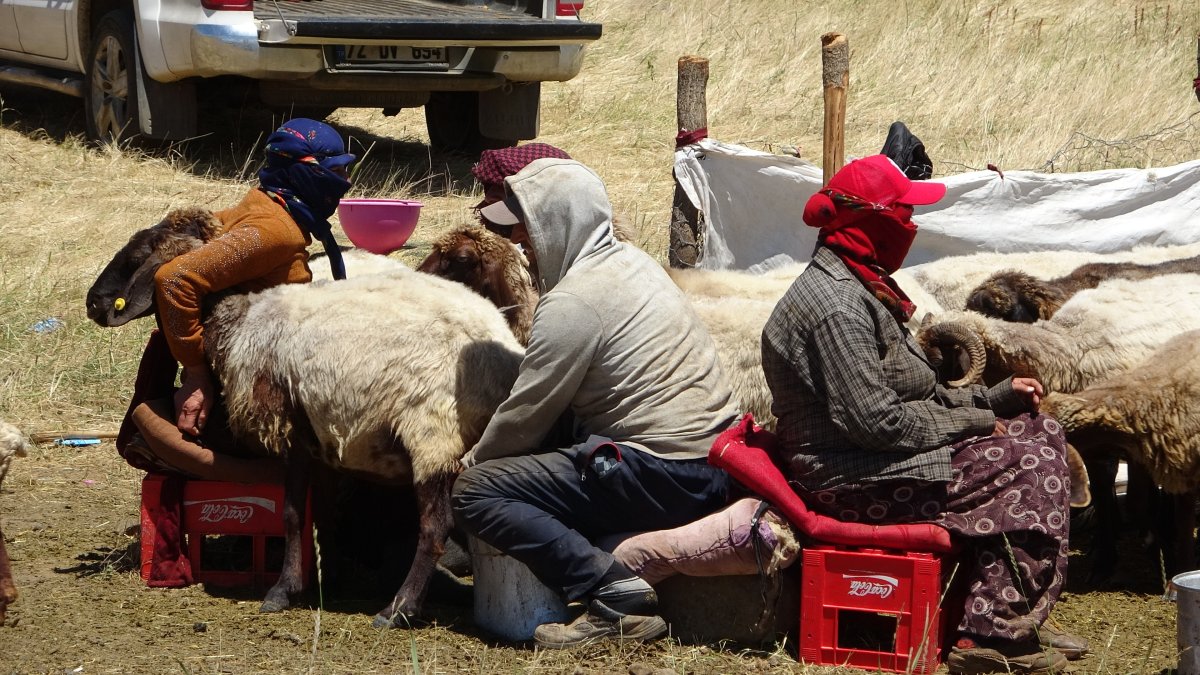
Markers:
{"x": 240, "y": 509}
{"x": 876, "y": 585}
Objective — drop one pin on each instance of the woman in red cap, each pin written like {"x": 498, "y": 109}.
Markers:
{"x": 868, "y": 434}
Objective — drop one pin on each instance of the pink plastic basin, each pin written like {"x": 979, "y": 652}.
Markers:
{"x": 379, "y": 225}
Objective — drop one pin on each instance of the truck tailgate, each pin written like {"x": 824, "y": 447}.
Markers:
{"x": 420, "y": 20}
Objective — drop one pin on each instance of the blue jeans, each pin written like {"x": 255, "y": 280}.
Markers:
{"x": 543, "y": 509}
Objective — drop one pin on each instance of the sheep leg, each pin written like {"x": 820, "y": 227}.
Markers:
{"x": 433, "y": 501}
{"x": 8, "y": 590}
{"x": 1102, "y": 473}
{"x": 295, "y": 500}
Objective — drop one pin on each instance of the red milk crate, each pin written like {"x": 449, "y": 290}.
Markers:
{"x": 217, "y": 509}
{"x": 871, "y": 609}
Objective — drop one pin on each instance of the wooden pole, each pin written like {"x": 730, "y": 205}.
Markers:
{"x": 835, "y": 75}
{"x": 691, "y": 113}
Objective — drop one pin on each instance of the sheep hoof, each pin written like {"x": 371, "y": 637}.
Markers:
{"x": 399, "y": 620}
{"x": 276, "y": 601}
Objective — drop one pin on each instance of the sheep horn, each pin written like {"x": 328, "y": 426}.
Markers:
{"x": 954, "y": 333}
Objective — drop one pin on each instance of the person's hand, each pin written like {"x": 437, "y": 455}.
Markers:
{"x": 194, "y": 400}
{"x": 1030, "y": 390}
{"x": 999, "y": 429}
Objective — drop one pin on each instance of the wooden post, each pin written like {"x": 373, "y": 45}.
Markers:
{"x": 835, "y": 75}
{"x": 691, "y": 109}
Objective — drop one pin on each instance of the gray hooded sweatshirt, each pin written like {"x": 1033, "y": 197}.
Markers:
{"x": 613, "y": 337}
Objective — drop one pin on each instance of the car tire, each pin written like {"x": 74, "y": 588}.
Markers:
{"x": 452, "y": 119}
{"x": 110, "y": 86}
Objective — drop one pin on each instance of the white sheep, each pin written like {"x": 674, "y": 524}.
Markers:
{"x": 12, "y": 444}
{"x": 392, "y": 376}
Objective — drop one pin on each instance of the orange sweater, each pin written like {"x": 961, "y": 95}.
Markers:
{"x": 259, "y": 247}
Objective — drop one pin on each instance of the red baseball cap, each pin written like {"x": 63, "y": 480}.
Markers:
{"x": 877, "y": 179}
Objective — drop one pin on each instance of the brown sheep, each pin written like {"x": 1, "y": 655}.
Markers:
{"x": 1016, "y": 296}
{"x": 491, "y": 266}
{"x": 1149, "y": 414}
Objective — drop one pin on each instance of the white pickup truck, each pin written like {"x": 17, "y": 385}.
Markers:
{"x": 141, "y": 65}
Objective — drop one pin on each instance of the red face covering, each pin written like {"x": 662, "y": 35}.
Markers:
{"x": 870, "y": 239}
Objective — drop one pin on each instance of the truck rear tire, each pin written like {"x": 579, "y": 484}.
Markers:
{"x": 110, "y": 86}
{"x": 452, "y": 119}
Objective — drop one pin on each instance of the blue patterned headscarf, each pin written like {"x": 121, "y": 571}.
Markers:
{"x": 300, "y": 156}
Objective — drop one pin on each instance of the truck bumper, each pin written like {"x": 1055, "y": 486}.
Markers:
{"x": 224, "y": 49}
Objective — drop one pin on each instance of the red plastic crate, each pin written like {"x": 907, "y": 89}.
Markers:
{"x": 871, "y": 609}
{"x": 214, "y": 508}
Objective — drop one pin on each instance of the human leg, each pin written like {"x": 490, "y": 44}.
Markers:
{"x": 181, "y": 453}
{"x": 542, "y": 509}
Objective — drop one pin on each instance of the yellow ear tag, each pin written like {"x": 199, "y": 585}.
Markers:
{"x": 119, "y": 304}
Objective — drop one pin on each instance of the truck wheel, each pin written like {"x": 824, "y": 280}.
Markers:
{"x": 110, "y": 91}
{"x": 452, "y": 118}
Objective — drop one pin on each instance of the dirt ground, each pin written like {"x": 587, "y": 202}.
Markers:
{"x": 70, "y": 520}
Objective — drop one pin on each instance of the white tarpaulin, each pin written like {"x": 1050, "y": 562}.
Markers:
{"x": 752, "y": 203}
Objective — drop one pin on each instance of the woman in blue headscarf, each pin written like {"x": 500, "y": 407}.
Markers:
{"x": 263, "y": 242}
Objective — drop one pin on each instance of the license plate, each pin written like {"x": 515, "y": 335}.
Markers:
{"x": 359, "y": 54}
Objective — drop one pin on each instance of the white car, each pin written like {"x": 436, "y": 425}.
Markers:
{"x": 140, "y": 65}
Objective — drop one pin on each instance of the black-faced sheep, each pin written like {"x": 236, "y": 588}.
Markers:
{"x": 1150, "y": 415}
{"x": 12, "y": 444}
{"x": 391, "y": 376}
{"x": 1014, "y": 295}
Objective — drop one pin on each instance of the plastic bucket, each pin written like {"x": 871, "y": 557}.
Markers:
{"x": 509, "y": 601}
{"x": 1187, "y": 624}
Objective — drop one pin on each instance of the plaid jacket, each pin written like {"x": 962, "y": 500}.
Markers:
{"x": 857, "y": 400}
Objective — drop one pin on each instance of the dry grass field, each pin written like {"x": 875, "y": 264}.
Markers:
{"x": 1051, "y": 86}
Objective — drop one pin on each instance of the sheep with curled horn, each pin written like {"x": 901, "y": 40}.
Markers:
{"x": 1150, "y": 415}
{"x": 1014, "y": 295}
{"x": 1098, "y": 332}
{"x": 12, "y": 444}
{"x": 390, "y": 376}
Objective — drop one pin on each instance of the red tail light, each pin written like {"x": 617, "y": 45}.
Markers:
{"x": 566, "y": 8}
{"x": 228, "y": 5}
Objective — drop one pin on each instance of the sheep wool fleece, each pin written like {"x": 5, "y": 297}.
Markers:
{"x": 616, "y": 343}
{"x": 259, "y": 246}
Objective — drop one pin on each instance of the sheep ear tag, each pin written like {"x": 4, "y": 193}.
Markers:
{"x": 137, "y": 298}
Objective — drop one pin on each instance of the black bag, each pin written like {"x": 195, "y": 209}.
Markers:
{"x": 908, "y": 152}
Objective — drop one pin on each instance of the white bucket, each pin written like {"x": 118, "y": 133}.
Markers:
{"x": 1187, "y": 624}
{"x": 509, "y": 601}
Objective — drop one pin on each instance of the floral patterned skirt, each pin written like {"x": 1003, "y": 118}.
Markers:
{"x": 1007, "y": 505}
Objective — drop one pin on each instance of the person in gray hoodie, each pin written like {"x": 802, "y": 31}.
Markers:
{"x": 617, "y": 346}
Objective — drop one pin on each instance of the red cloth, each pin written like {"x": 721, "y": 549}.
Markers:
{"x": 170, "y": 567}
{"x": 686, "y": 138}
{"x": 742, "y": 450}
{"x": 496, "y": 165}
{"x": 155, "y": 380}
{"x": 865, "y": 217}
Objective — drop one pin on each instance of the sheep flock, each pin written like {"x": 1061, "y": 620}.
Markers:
{"x": 393, "y": 373}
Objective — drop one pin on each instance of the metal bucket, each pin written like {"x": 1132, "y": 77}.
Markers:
{"x": 1187, "y": 624}
{"x": 509, "y": 601}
